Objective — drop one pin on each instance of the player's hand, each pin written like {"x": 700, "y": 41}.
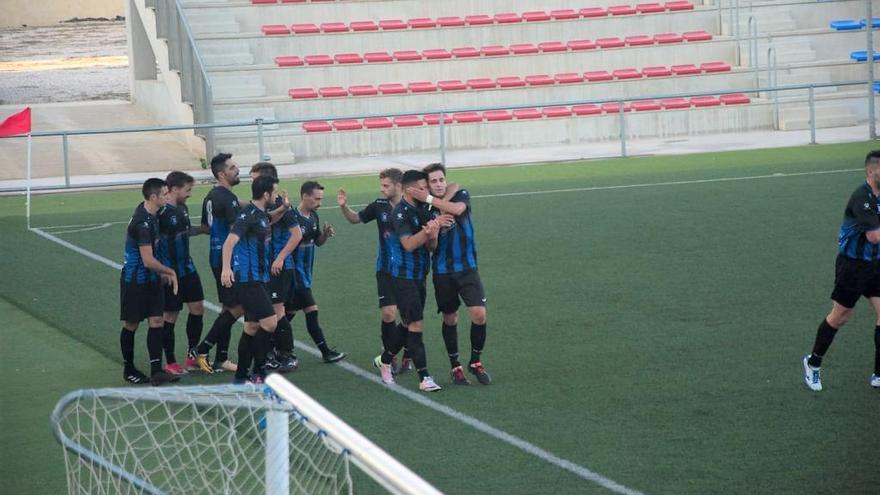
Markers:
{"x": 277, "y": 265}
{"x": 451, "y": 189}
{"x": 418, "y": 193}
{"x": 170, "y": 280}
{"x": 341, "y": 198}
{"x": 328, "y": 230}
{"x": 445, "y": 220}
{"x": 285, "y": 199}
{"x": 226, "y": 278}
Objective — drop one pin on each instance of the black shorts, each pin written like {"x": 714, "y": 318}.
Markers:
{"x": 854, "y": 279}
{"x": 140, "y": 301}
{"x": 281, "y": 285}
{"x": 189, "y": 289}
{"x": 299, "y": 299}
{"x": 385, "y": 290}
{"x": 410, "y": 296}
{"x": 254, "y": 298}
{"x": 448, "y": 287}
{"x": 227, "y": 296}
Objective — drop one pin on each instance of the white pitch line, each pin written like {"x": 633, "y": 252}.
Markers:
{"x": 83, "y": 229}
{"x": 471, "y": 421}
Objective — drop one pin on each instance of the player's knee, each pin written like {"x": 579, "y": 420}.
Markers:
{"x": 197, "y": 308}
{"x": 131, "y": 326}
{"x": 389, "y": 313}
{"x": 450, "y": 318}
{"x": 838, "y": 318}
{"x": 170, "y": 317}
{"x": 310, "y": 309}
{"x": 156, "y": 321}
{"x": 236, "y": 311}
{"x": 415, "y": 326}
{"x": 269, "y": 324}
{"x": 478, "y": 315}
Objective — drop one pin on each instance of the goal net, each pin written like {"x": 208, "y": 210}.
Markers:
{"x": 232, "y": 439}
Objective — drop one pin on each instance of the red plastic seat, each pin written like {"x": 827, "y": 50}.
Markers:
{"x": 639, "y": 40}
{"x": 479, "y": 20}
{"x": 378, "y": 57}
{"x": 534, "y": 16}
{"x": 556, "y": 112}
{"x": 568, "y": 78}
{"x": 523, "y": 48}
{"x": 510, "y": 82}
{"x": 422, "y": 22}
{"x": 275, "y": 29}
{"x": 408, "y": 121}
{"x": 552, "y": 46}
{"x": 317, "y": 126}
{"x": 332, "y": 91}
{"x": 302, "y": 93}
{"x": 305, "y": 29}
{"x": 494, "y": 50}
{"x": 539, "y": 80}
{"x": 363, "y": 90}
{"x": 421, "y": 87}
{"x": 626, "y": 74}
{"x": 347, "y": 125}
{"x": 664, "y": 38}
{"x": 464, "y": 117}
{"x": 705, "y": 101}
{"x": 646, "y": 105}
{"x": 562, "y": 14}
{"x": 696, "y": 36}
{"x": 507, "y": 18}
{"x": 364, "y": 26}
{"x": 392, "y": 89}
{"x": 407, "y": 55}
{"x": 467, "y": 51}
{"x": 289, "y": 61}
{"x": 318, "y": 59}
{"x": 614, "y": 107}
{"x": 685, "y": 69}
{"x": 334, "y": 27}
{"x": 263, "y": 2}
{"x": 586, "y": 109}
{"x": 377, "y": 123}
{"x": 497, "y": 115}
{"x": 597, "y": 75}
{"x": 734, "y": 99}
{"x": 575, "y": 45}
{"x": 678, "y": 5}
{"x": 389, "y": 24}
{"x": 675, "y": 103}
{"x": 481, "y": 83}
{"x": 715, "y": 67}
{"x": 451, "y": 85}
{"x": 649, "y": 8}
{"x": 436, "y": 54}
{"x": 612, "y": 42}
{"x": 621, "y": 10}
{"x": 434, "y": 118}
{"x": 289, "y": 1}
{"x": 593, "y": 12}
{"x": 348, "y": 58}
{"x": 454, "y": 21}
{"x": 527, "y": 113}
{"x": 656, "y": 71}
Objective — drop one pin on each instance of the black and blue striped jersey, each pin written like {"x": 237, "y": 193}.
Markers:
{"x": 380, "y": 211}
{"x": 456, "y": 247}
{"x": 304, "y": 254}
{"x": 281, "y": 233}
{"x": 219, "y": 211}
{"x": 250, "y": 258}
{"x": 408, "y": 220}
{"x": 143, "y": 230}
{"x": 862, "y": 214}
{"x": 174, "y": 227}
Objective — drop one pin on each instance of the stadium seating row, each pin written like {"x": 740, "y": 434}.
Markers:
{"x": 524, "y": 113}
{"x": 506, "y": 81}
{"x": 492, "y": 50}
{"x": 862, "y": 55}
{"x": 475, "y": 20}
{"x": 851, "y": 25}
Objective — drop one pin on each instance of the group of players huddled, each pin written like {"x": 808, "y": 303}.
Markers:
{"x": 262, "y": 257}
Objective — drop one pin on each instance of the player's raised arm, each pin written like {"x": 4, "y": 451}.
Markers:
{"x": 349, "y": 214}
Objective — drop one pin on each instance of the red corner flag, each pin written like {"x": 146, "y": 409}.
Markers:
{"x": 18, "y": 123}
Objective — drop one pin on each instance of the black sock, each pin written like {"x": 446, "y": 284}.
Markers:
{"x": 450, "y": 338}
{"x": 877, "y": 350}
{"x": 126, "y": 343}
{"x": 403, "y": 330}
{"x": 245, "y": 355}
{"x": 315, "y": 331}
{"x": 223, "y": 342}
{"x": 194, "y": 325}
{"x": 478, "y": 340}
{"x": 396, "y": 339}
{"x": 168, "y": 342}
{"x": 824, "y": 335}
{"x": 154, "y": 348}
{"x": 284, "y": 336}
{"x": 389, "y": 339}
{"x": 225, "y": 320}
{"x": 260, "y": 350}
{"x": 414, "y": 343}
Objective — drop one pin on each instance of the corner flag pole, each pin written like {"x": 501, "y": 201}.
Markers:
{"x": 28, "y": 199}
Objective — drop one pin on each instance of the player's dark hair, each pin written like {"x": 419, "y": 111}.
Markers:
{"x": 264, "y": 168}
{"x": 433, "y": 167}
{"x": 262, "y": 185}
{"x": 410, "y": 177}
{"x": 152, "y": 186}
{"x": 309, "y": 186}
{"x": 394, "y": 174}
{"x": 873, "y": 158}
{"x": 179, "y": 179}
{"x": 218, "y": 163}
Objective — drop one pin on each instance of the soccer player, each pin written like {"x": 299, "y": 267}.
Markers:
{"x": 245, "y": 269}
{"x": 414, "y": 236}
{"x": 311, "y": 195}
{"x": 380, "y": 211}
{"x": 174, "y": 230}
{"x": 857, "y": 271}
{"x": 455, "y": 274}
{"x": 140, "y": 285}
{"x": 219, "y": 210}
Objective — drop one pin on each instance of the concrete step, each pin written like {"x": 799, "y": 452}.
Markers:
{"x": 243, "y": 114}
{"x": 237, "y": 86}
{"x": 230, "y": 53}
{"x": 211, "y": 23}
{"x": 822, "y": 122}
